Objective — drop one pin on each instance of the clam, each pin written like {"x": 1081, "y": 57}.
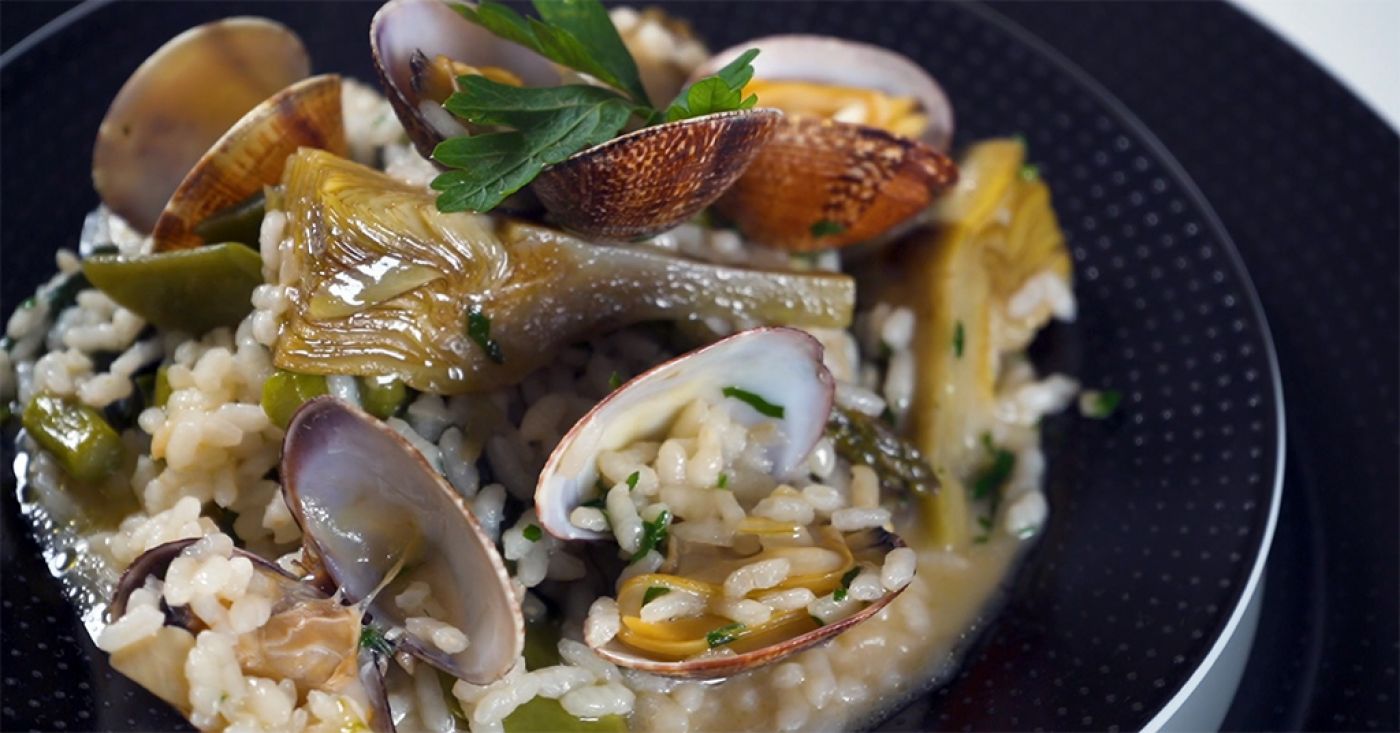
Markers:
{"x": 656, "y": 178}
{"x": 782, "y": 364}
{"x": 376, "y": 517}
{"x": 251, "y": 155}
{"x": 154, "y": 130}
{"x": 310, "y": 638}
{"x": 407, "y": 35}
{"x": 632, "y": 186}
{"x": 785, "y": 634}
{"x": 779, "y": 373}
{"x": 828, "y": 177}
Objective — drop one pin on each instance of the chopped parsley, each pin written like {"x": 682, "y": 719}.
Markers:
{"x": 632, "y": 480}
{"x": 614, "y": 380}
{"x": 723, "y": 482}
{"x": 653, "y": 535}
{"x": 989, "y": 481}
{"x": 598, "y": 504}
{"x": 532, "y": 532}
{"x": 725, "y": 634}
{"x": 959, "y": 339}
{"x": 1030, "y": 172}
{"x": 373, "y": 639}
{"x": 1099, "y": 405}
{"x": 826, "y": 228}
{"x": 839, "y": 594}
{"x": 479, "y": 330}
{"x": 763, "y": 406}
{"x": 653, "y": 593}
{"x": 816, "y": 620}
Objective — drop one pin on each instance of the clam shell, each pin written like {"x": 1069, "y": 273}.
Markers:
{"x": 155, "y": 561}
{"x": 783, "y": 365}
{"x": 252, "y": 154}
{"x": 861, "y": 181}
{"x": 364, "y": 498}
{"x": 831, "y": 60}
{"x": 402, "y": 27}
{"x": 656, "y": 178}
{"x": 718, "y": 667}
{"x": 153, "y": 133}
{"x": 820, "y": 184}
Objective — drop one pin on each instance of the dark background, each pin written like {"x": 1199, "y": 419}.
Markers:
{"x": 1307, "y": 181}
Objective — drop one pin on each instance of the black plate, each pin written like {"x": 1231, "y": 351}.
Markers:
{"x": 1158, "y": 515}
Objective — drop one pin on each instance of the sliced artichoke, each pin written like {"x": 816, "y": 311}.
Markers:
{"x": 382, "y": 283}
{"x": 969, "y": 283}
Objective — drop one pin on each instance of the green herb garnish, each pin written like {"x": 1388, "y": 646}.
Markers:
{"x": 1030, "y": 172}
{"x": 653, "y": 535}
{"x": 839, "y": 594}
{"x": 538, "y": 127}
{"x": 826, "y": 228}
{"x": 989, "y": 482}
{"x": 532, "y": 532}
{"x": 816, "y": 620}
{"x": 479, "y": 330}
{"x": 373, "y": 639}
{"x": 722, "y": 92}
{"x": 653, "y": 593}
{"x": 959, "y": 339}
{"x": 614, "y": 380}
{"x": 763, "y": 406}
{"x": 723, "y": 482}
{"x": 725, "y": 634}
{"x": 1099, "y": 405}
{"x": 633, "y": 479}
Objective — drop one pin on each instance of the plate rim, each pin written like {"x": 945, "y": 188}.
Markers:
{"x": 1195, "y": 197}
{"x": 1216, "y": 226}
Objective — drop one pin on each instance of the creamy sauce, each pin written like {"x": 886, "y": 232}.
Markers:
{"x": 865, "y": 673}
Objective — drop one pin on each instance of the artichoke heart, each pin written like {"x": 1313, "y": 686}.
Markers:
{"x": 976, "y": 284}
{"x": 381, "y": 282}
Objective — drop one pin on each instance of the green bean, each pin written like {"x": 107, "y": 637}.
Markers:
{"x": 85, "y": 445}
{"x": 191, "y": 290}
{"x": 240, "y": 223}
{"x": 285, "y": 391}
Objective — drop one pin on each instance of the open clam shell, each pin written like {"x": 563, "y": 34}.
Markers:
{"x": 784, "y": 365}
{"x": 821, "y": 184}
{"x": 716, "y": 667}
{"x": 656, "y": 178}
{"x": 155, "y": 561}
{"x": 374, "y": 513}
{"x": 405, "y": 29}
{"x": 251, "y": 155}
{"x": 153, "y": 133}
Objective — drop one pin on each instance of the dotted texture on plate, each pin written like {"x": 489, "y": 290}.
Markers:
{"x": 1156, "y": 514}
{"x": 1307, "y": 179}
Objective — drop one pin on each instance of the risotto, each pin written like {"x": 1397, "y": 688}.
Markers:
{"x": 498, "y": 399}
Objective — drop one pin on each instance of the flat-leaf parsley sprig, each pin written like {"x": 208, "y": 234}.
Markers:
{"x": 536, "y": 127}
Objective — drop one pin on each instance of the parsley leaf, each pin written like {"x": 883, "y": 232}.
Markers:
{"x": 1099, "y": 405}
{"x": 763, "y": 406}
{"x": 653, "y": 593}
{"x": 959, "y": 339}
{"x": 633, "y": 478}
{"x": 989, "y": 481}
{"x": 574, "y": 33}
{"x": 725, "y": 634}
{"x": 532, "y": 532}
{"x": 826, "y": 228}
{"x": 723, "y": 482}
{"x": 722, "y": 92}
{"x": 653, "y": 535}
{"x": 479, "y": 330}
{"x": 373, "y": 639}
{"x": 839, "y": 594}
{"x": 551, "y": 125}
{"x": 614, "y": 380}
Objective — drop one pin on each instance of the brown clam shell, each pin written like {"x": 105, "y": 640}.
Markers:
{"x": 154, "y": 131}
{"x": 719, "y": 667}
{"x": 251, "y": 155}
{"x": 820, "y": 184}
{"x": 656, "y": 178}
